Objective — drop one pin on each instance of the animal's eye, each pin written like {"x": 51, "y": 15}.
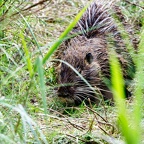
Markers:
{"x": 89, "y": 58}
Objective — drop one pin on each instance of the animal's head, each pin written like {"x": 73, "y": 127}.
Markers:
{"x": 73, "y": 87}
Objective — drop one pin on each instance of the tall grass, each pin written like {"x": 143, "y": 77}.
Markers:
{"x": 19, "y": 81}
{"x": 24, "y": 90}
{"x": 63, "y": 35}
{"x": 130, "y": 123}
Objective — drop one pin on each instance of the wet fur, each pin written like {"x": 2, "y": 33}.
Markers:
{"x": 88, "y": 53}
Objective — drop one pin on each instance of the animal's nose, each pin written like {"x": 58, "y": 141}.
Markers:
{"x": 65, "y": 91}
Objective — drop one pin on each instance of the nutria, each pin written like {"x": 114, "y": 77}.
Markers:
{"x": 88, "y": 53}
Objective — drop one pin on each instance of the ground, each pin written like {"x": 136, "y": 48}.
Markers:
{"x": 30, "y": 111}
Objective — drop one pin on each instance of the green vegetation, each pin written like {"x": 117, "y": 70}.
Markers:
{"x": 29, "y": 109}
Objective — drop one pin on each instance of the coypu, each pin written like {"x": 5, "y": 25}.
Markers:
{"x": 88, "y": 53}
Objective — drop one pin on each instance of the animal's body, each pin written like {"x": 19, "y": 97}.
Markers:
{"x": 88, "y": 53}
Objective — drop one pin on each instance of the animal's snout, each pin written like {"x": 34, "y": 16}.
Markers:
{"x": 65, "y": 91}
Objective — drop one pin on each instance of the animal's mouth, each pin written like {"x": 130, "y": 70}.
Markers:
{"x": 67, "y": 101}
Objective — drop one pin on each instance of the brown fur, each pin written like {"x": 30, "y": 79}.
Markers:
{"x": 88, "y": 53}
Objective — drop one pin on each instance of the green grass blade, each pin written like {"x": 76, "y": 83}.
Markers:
{"x": 32, "y": 33}
{"x": 119, "y": 95}
{"x": 63, "y": 35}
{"x": 117, "y": 81}
{"x": 30, "y": 127}
{"x": 42, "y": 83}
{"x": 27, "y": 55}
{"x": 2, "y": 48}
{"x": 139, "y": 87}
{"x": 82, "y": 78}
{"x": 33, "y": 126}
{"x": 5, "y": 139}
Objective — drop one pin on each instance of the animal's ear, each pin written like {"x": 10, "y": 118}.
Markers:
{"x": 89, "y": 58}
